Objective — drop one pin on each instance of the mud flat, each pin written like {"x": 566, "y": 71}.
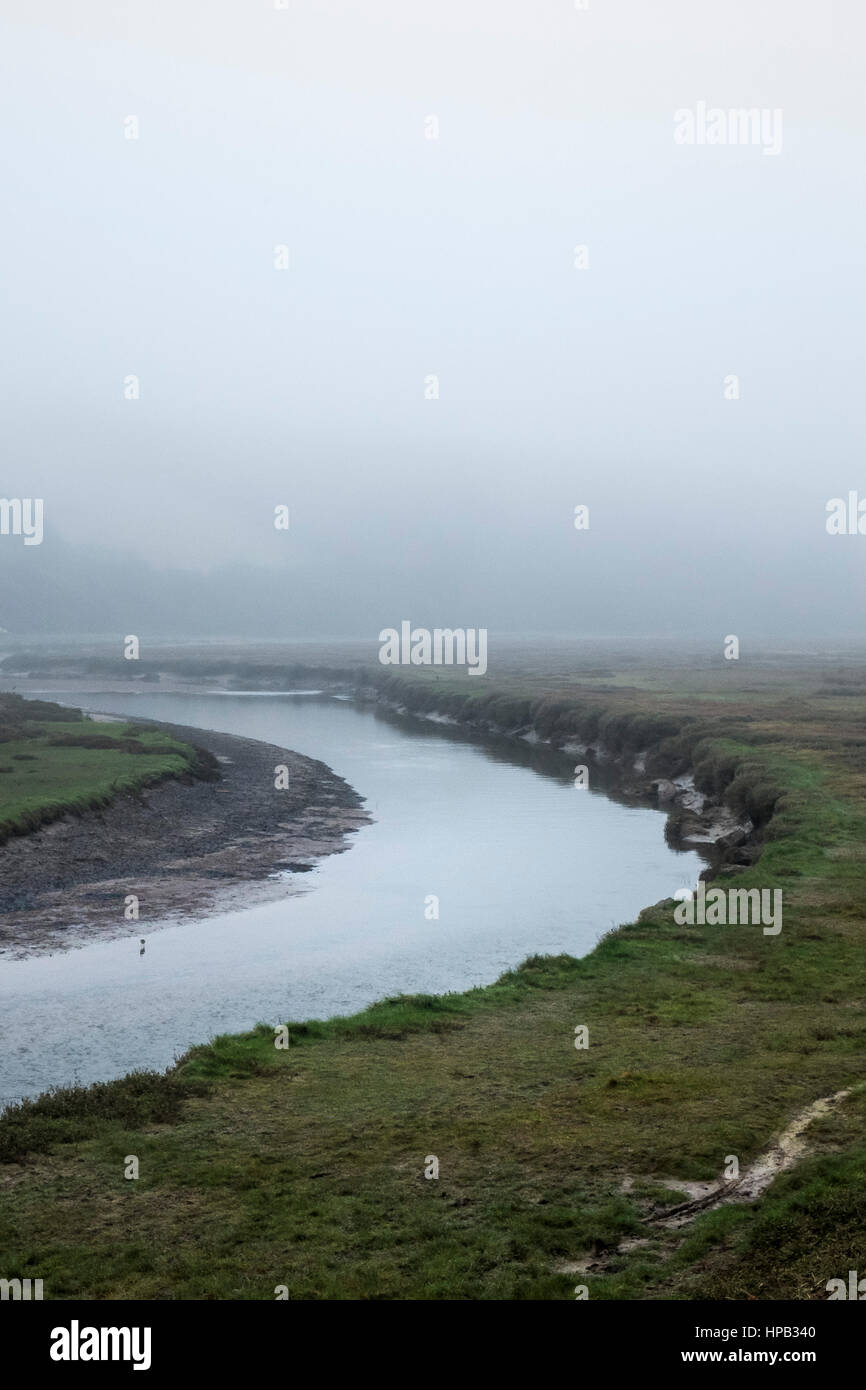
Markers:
{"x": 184, "y": 848}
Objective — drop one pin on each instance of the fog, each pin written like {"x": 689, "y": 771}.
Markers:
{"x": 157, "y": 156}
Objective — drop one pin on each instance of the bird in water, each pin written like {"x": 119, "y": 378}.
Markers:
{"x": 141, "y": 952}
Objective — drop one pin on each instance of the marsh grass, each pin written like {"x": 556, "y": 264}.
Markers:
{"x": 69, "y": 768}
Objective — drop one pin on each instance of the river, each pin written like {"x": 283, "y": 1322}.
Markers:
{"x": 520, "y": 860}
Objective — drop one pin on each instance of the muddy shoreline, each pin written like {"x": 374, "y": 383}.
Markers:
{"x": 186, "y": 849}
{"x": 729, "y": 842}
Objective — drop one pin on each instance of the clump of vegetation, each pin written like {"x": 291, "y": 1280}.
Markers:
{"x": 65, "y": 1115}
{"x": 61, "y": 764}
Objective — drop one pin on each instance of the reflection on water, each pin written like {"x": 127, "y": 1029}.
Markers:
{"x": 520, "y": 861}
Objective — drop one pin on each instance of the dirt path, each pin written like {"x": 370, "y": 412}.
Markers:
{"x": 706, "y": 1196}
{"x": 754, "y": 1180}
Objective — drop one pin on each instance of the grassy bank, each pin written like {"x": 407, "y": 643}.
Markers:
{"x": 305, "y": 1167}
{"x": 55, "y": 762}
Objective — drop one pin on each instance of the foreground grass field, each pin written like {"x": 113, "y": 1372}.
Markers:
{"x": 57, "y": 763}
{"x": 305, "y": 1167}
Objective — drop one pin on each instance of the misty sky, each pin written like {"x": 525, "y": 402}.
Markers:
{"x": 408, "y": 257}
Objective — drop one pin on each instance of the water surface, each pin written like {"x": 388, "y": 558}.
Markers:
{"x": 520, "y": 860}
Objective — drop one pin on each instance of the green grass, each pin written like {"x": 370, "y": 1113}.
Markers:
{"x": 61, "y": 768}
{"x": 305, "y": 1166}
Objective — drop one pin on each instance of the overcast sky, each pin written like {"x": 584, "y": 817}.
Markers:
{"x": 410, "y": 257}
